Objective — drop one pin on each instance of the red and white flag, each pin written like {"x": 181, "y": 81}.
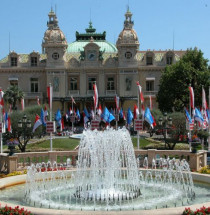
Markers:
{"x": 9, "y": 127}
{"x": 37, "y": 123}
{"x": 150, "y": 102}
{"x": 50, "y": 95}
{"x": 37, "y": 100}
{"x": 22, "y": 104}
{"x": 45, "y": 111}
{"x": 124, "y": 116}
{"x": 92, "y": 114}
{"x": 72, "y": 100}
{"x": 117, "y": 102}
{"x": 204, "y": 103}
{"x": 95, "y": 98}
{"x": 136, "y": 112}
{"x": 1, "y": 98}
{"x": 191, "y": 98}
{"x": 70, "y": 111}
{"x": 99, "y": 110}
{"x": 140, "y": 92}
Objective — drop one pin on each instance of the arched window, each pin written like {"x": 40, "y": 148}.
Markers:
{"x": 169, "y": 58}
{"x": 149, "y": 58}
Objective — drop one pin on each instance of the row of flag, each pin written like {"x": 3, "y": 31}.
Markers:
{"x": 107, "y": 116}
{"x": 202, "y": 115}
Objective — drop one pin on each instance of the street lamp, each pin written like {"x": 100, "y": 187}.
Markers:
{"x": 24, "y": 123}
{"x": 164, "y": 123}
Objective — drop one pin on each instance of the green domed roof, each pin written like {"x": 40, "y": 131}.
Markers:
{"x": 78, "y": 46}
{"x": 82, "y": 39}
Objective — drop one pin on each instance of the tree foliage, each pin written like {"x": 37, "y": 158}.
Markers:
{"x": 12, "y": 95}
{"x": 24, "y": 134}
{"x": 173, "y": 94}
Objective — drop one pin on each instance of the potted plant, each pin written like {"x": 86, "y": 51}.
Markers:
{"x": 11, "y": 145}
{"x": 194, "y": 143}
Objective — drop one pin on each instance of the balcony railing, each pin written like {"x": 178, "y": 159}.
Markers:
{"x": 73, "y": 92}
{"x": 33, "y": 95}
{"x": 110, "y": 92}
{"x": 150, "y": 93}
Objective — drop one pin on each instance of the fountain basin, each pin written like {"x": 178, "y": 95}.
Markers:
{"x": 15, "y": 180}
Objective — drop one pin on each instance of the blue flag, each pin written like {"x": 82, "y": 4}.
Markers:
{"x": 42, "y": 116}
{"x": 78, "y": 115}
{"x": 58, "y": 116}
{"x": 129, "y": 116}
{"x": 86, "y": 113}
{"x": 148, "y": 117}
{"x": 188, "y": 116}
{"x": 6, "y": 120}
{"x": 107, "y": 116}
{"x": 198, "y": 116}
{"x": 121, "y": 113}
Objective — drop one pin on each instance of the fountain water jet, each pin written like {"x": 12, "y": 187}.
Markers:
{"x": 108, "y": 178}
{"x": 107, "y": 167}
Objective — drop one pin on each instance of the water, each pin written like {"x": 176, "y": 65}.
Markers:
{"x": 108, "y": 178}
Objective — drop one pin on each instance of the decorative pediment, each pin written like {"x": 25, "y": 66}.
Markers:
{"x": 73, "y": 62}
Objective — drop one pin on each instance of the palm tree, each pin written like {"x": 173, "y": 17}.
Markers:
{"x": 12, "y": 95}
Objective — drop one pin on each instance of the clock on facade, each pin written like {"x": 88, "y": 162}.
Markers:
{"x": 55, "y": 55}
{"x": 91, "y": 55}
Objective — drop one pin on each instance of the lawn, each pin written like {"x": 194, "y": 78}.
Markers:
{"x": 68, "y": 144}
{"x": 63, "y": 144}
{"x": 59, "y": 144}
{"x": 143, "y": 142}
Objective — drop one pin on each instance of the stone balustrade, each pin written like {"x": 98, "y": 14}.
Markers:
{"x": 20, "y": 161}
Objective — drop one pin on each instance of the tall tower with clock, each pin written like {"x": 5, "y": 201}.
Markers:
{"x": 127, "y": 43}
{"x": 54, "y": 43}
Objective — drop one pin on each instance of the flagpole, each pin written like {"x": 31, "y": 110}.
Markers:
{"x": 94, "y": 102}
{"x": 209, "y": 124}
{"x": 138, "y": 136}
{"x": 189, "y": 122}
{"x": 72, "y": 106}
{"x": 51, "y": 143}
{"x": 116, "y": 118}
{"x": 202, "y": 108}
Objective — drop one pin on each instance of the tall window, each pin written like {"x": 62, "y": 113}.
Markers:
{"x": 149, "y": 85}
{"x": 149, "y": 60}
{"x": 73, "y": 83}
{"x": 110, "y": 83}
{"x": 169, "y": 60}
{"x": 91, "y": 81}
{"x": 33, "y": 61}
{"x": 13, "y": 61}
{"x": 14, "y": 82}
{"x": 34, "y": 85}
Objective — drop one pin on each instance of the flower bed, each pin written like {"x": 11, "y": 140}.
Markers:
{"x": 205, "y": 170}
{"x": 14, "y": 211}
{"x": 202, "y": 211}
{"x": 51, "y": 169}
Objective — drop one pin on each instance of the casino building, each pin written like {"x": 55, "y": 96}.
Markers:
{"x": 73, "y": 67}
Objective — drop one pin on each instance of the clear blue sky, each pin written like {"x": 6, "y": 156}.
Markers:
{"x": 154, "y": 21}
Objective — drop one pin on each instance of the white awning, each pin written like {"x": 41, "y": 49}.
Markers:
{"x": 13, "y": 79}
{"x": 150, "y": 78}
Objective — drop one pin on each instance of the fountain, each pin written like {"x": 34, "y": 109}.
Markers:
{"x": 108, "y": 177}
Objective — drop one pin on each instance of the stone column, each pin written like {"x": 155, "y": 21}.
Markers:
{"x": 151, "y": 155}
{"x": 52, "y": 156}
{"x": 12, "y": 163}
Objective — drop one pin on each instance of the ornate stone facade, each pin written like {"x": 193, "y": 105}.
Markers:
{"x": 72, "y": 68}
